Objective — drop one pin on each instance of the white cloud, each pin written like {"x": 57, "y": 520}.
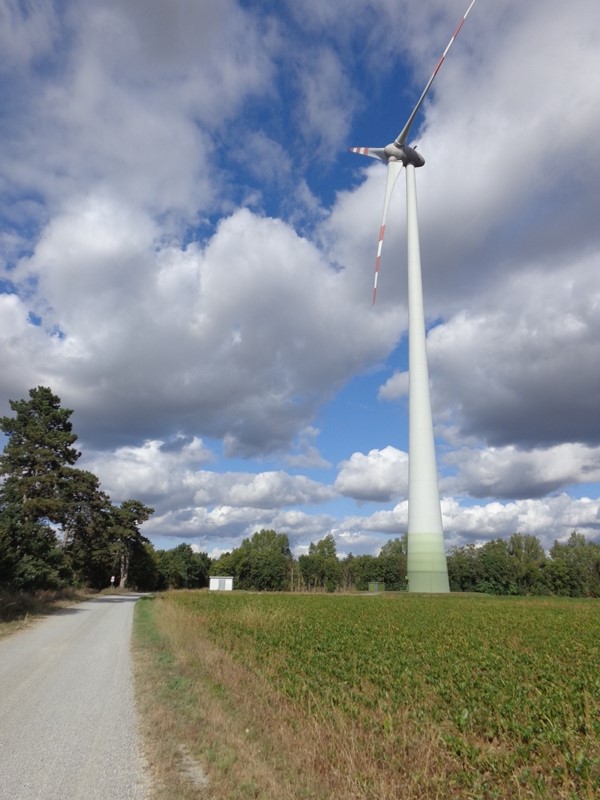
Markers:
{"x": 391, "y": 521}
{"x": 326, "y": 109}
{"x": 231, "y": 525}
{"x": 378, "y": 475}
{"x": 308, "y": 456}
{"x": 25, "y": 346}
{"x": 263, "y": 490}
{"x": 507, "y": 472}
{"x": 168, "y": 475}
{"x": 133, "y": 101}
{"x": 232, "y": 329}
{"x": 523, "y": 368}
{"x": 156, "y": 471}
{"x": 395, "y": 387}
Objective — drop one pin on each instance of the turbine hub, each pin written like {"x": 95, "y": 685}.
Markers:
{"x": 405, "y": 154}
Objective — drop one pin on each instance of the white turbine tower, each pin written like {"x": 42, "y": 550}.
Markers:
{"x": 427, "y": 566}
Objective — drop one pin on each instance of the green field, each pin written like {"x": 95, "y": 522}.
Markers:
{"x": 396, "y": 696}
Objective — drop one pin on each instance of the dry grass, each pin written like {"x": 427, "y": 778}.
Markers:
{"x": 216, "y": 729}
{"x": 17, "y": 610}
{"x": 212, "y": 728}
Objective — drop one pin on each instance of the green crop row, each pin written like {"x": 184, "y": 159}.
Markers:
{"x": 512, "y": 686}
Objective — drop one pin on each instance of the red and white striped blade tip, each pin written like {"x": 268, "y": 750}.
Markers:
{"x": 394, "y": 168}
{"x": 378, "y": 261}
{"x": 403, "y": 135}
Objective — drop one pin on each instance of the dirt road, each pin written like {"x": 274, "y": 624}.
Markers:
{"x": 67, "y": 718}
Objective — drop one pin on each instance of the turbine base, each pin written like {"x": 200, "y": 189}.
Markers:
{"x": 427, "y": 567}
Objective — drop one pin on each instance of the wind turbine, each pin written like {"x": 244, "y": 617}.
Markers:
{"x": 427, "y": 566}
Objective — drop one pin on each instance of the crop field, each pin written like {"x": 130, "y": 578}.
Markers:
{"x": 387, "y": 696}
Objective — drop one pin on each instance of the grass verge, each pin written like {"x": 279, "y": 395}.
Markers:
{"x": 212, "y": 728}
{"x": 17, "y": 610}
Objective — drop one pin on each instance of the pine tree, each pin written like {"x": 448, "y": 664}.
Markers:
{"x": 87, "y": 527}
{"x": 39, "y": 449}
{"x": 126, "y": 535}
{"x": 32, "y": 498}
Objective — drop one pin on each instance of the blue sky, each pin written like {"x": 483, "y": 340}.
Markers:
{"x": 187, "y": 253}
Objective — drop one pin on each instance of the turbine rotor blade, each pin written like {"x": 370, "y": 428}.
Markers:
{"x": 372, "y": 152}
{"x": 393, "y": 170}
{"x": 403, "y": 135}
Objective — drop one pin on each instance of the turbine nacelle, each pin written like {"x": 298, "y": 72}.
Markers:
{"x": 404, "y": 153}
{"x": 392, "y": 152}
{"x": 398, "y": 154}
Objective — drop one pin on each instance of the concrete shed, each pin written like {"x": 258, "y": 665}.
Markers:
{"x": 220, "y": 583}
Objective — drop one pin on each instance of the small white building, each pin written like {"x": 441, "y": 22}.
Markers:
{"x": 219, "y": 583}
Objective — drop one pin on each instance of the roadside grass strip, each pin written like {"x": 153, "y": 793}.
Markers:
{"x": 19, "y": 609}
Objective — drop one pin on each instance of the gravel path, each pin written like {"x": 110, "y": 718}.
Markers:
{"x": 67, "y": 719}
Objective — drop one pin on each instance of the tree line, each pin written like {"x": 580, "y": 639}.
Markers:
{"x": 59, "y": 529}
{"x": 519, "y": 566}
{"x": 516, "y": 566}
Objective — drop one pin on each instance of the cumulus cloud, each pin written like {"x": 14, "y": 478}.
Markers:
{"x": 523, "y": 369}
{"x": 128, "y": 309}
{"x": 308, "y": 455}
{"x": 224, "y": 527}
{"x": 508, "y": 472}
{"x": 327, "y": 101}
{"x": 122, "y": 105}
{"x": 390, "y": 521}
{"x": 263, "y": 490}
{"x": 378, "y": 475}
{"x": 156, "y": 471}
{"x": 395, "y": 387}
{"x": 168, "y": 474}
